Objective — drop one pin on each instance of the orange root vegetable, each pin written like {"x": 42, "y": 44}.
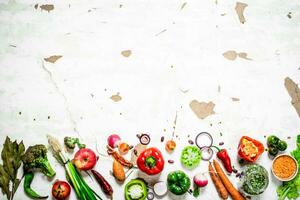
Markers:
{"x": 118, "y": 157}
{"x": 170, "y": 146}
{"x": 234, "y": 193}
{"x": 118, "y": 171}
{"x": 217, "y": 182}
{"x": 124, "y": 148}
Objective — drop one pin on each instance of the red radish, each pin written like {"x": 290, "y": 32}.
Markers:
{"x": 61, "y": 190}
{"x": 113, "y": 140}
{"x": 85, "y": 159}
{"x": 200, "y": 180}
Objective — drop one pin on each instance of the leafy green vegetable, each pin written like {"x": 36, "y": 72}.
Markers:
{"x": 11, "y": 157}
{"x": 291, "y": 189}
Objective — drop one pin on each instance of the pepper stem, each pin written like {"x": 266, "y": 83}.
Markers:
{"x": 150, "y": 161}
{"x": 218, "y": 149}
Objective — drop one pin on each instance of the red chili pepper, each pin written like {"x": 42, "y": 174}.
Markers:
{"x": 151, "y": 161}
{"x": 224, "y": 157}
{"x": 250, "y": 149}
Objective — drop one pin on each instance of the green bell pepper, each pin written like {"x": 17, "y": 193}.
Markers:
{"x": 190, "y": 157}
{"x": 136, "y": 189}
{"x": 178, "y": 182}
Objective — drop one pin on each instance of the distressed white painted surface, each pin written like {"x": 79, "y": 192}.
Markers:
{"x": 92, "y": 65}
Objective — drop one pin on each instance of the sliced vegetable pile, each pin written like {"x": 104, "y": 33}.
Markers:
{"x": 254, "y": 178}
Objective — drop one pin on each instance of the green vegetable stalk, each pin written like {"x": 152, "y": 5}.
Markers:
{"x": 35, "y": 158}
{"x": 11, "y": 161}
{"x": 291, "y": 189}
{"x": 30, "y": 192}
{"x": 82, "y": 190}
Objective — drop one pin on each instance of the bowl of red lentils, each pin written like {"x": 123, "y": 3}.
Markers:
{"x": 284, "y": 167}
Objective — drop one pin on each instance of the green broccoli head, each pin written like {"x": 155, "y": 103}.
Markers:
{"x": 71, "y": 142}
{"x": 35, "y": 157}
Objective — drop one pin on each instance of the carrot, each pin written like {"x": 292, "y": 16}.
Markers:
{"x": 228, "y": 185}
{"x": 118, "y": 171}
{"x": 217, "y": 182}
{"x": 105, "y": 186}
{"x": 118, "y": 157}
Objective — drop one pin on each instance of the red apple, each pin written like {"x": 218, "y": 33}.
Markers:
{"x": 61, "y": 190}
{"x": 85, "y": 159}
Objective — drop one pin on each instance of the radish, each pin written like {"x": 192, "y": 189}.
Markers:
{"x": 113, "y": 140}
{"x": 200, "y": 181}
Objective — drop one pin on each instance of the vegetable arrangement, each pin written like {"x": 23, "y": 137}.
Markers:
{"x": 254, "y": 179}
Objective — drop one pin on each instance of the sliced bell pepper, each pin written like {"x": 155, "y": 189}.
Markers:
{"x": 250, "y": 149}
{"x": 151, "y": 161}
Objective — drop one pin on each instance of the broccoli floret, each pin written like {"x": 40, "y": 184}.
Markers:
{"x": 34, "y": 158}
{"x": 71, "y": 142}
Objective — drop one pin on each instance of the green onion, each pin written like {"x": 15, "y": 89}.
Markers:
{"x": 82, "y": 190}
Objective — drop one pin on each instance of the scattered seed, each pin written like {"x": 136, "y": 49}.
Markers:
{"x": 48, "y": 117}
{"x": 191, "y": 142}
{"x": 135, "y": 152}
{"x": 289, "y": 137}
{"x": 234, "y": 170}
{"x": 171, "y": 161}
{"x": 20, "y": 113}
{"x": 162, "y": 138}
{"x": 138, "y": 135}
{"x": 221, "y": 134}
{"x": 34, "y": 119}
{"x": 221, "y": 143}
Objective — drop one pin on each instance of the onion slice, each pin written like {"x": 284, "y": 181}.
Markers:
{"x": 160, "y": 188}
{"x": 150, "y": 196}
{"x": 207, "y": 153}
{"x": 144, "y": 139}
{"x": 204, "y": 139}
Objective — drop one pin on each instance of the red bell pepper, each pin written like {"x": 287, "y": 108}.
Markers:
{"x": 250, "y": 149}
{"x": 151, "y": 161}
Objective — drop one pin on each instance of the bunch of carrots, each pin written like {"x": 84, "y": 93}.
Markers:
{"x": 222, "y": 183}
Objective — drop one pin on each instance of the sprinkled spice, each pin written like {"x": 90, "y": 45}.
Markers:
{"x": 20, "y": 113}
{"x": 191, "y": 142}
{"x": 135, "y": 152}
{"x": 221, "y": 134}
{"x": 171, "y": 161}
{"x": 284, "y": 167}
{"x": 221, "y": 143}
{"x": 162, "y": 138}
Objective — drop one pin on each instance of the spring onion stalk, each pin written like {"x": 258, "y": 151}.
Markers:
{"x": 82, "y": 190}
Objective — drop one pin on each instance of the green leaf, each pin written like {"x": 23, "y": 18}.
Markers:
{"x": 11, "y": 157}
{"x": 4, "y": 182}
